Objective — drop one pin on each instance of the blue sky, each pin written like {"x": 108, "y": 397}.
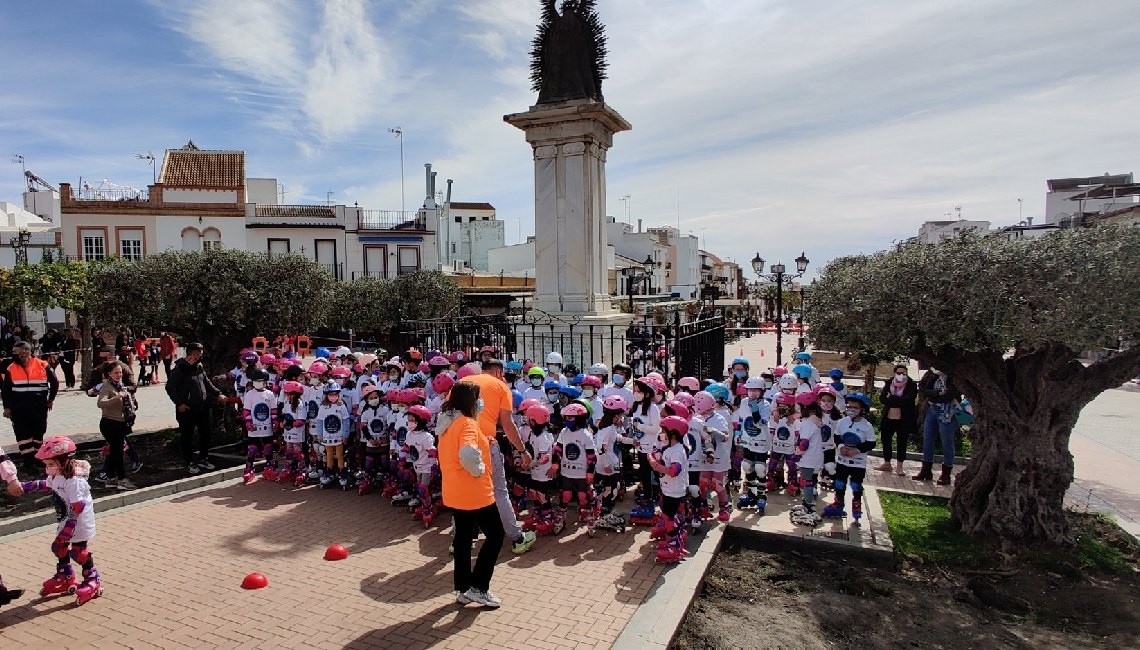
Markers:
{"x": 760, "y": 125}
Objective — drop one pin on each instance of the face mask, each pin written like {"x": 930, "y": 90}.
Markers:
{"x": 400, "y": 408}
{"x": 754, "y": 394}
{"x": 619, "y": 380}
{"x": 315, "y": 381}
{"x": 900, "y": 378}
{"x": 740, "y": 374}
{"x": 554, "y": 368}
{"x": 588, "y": 393}
{"x": 637, "y": 397}
{"x": 259, "y": 385}
{"x": 573, "y": 423}
{"x": 478, "y": 406}
{"x": 393, "y": 377}
{"x": 374, "y": 401}
{"x": 553, "y": 397}
{"x": 536, "y": 382}
{"x": 767, "y": 383}
{"x": 852, "y": 412}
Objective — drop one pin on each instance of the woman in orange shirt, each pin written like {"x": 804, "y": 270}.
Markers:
{"x": 465, "y": 462}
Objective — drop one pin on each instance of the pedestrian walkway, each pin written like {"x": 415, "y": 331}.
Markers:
{"x": 172, "y": 572}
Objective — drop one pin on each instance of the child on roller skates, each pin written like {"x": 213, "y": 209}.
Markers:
{"x": 575, "y": 458}
{"x": 856, "y": 437}
{"x": 259, "y": 408}
{"x": 422, "y": 454}
{"x": 671, "y": 464}
{"x": 293, "y": 425}
{"x": 607, "y": 475}
{"x": 716, "y": 440}
{"x": 67, "y": 478}
{"x": 331, "y": 427}
{"x": 698, "y": 508}
{"x": 645, "y": 420}
{"x": 403, "y": 485}
{"x": 810, "y": 450}
{"x": 543, "y": 517}
{"x": 755, "y": 440}
{"x": 830, "y": 416}
{"x": 783, "y": 446}
{"x": 374, "y": 434}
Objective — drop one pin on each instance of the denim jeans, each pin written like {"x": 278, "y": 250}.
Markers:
{"x": 502, "y": 495}
{"x": 933, "y": 425}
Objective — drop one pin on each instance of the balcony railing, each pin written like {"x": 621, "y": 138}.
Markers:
{"x": 390, "y": 220}
{"x": 94, "y": 194}
{"x": 335, "y": 270}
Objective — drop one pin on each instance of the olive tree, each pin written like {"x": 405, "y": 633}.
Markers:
{"x": 1007, "y": 321}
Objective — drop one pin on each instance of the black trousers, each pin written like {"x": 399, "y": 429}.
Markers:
{"x": 466, "y": 522}
{"x": 29, "y": 424}
{"x": 114, "y": 432}
{"x": 166, "y": 361}
{"x": 888, "y": 428}
{"x": 68, "y": 368}
{"x": 196, "y": 418}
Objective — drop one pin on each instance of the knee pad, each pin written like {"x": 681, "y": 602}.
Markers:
{"x": 745, "y": 467}
{"x": 251, "y": 451}
{"x": 840, "y": 484}
{"x": 830, "y": 467}
{"x": 761, "y": 471}
{"x": 59, "y": 549}
{"x": 694, "y": 491}
{"x": 806, "y": 483}
{"x": 566, "y": 496}
{"x": 856, "y": 488}
{"x": 80, "y": 555}
{"x": 583, "y": 498}
{"x": 705, "y": 485}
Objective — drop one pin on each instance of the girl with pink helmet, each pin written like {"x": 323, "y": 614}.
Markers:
{"x": 716, "y": 438}
{"x": 607, "y": 474}
{"x": 293, "y": 424}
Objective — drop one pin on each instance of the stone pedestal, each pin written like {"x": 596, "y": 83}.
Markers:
{"x": 570, "y": 141}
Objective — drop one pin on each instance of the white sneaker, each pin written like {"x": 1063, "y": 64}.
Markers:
{"x": 462, "y": 598}
{"x": 484, "y": 598}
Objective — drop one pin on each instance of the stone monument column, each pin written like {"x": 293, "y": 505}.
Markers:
{"x": 569, "y": 140}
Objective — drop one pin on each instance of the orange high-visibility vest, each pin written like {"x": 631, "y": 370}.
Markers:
{"x": 32, "y": 379}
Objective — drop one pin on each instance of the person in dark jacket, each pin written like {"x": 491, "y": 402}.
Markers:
{"x": 68, "y": 353}
{"x": 191, "y": 391}
{"x": 28, "y": 390}
{"x": 942, "y": 399}
{"x": 899, "y": 417}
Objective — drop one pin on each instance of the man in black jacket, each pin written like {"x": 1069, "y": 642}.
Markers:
{"x": 191, "y": 391}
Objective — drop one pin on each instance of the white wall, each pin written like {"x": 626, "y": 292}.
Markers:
{"x": 168, "y": 231}
{"x": 200, "y": 196}
{"x": 931, "y": 232}
{"x": 512, "y": 260}
{"x": 478, "y": 237}
{"x": 262, "y": 191}
{"x": 44, "y": 204}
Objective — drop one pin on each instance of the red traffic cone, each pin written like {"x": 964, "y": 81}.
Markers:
{"x": 336, "y": 552}
{"x": 255, "y": 581}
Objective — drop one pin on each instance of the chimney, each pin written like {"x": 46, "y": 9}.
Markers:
{"x": 447, "y": 199}
{"x": 639, "y": 226}
{"x": 433, "y": 184}
{"x": 1029, "y": 221}
{"x": 427, "y": 180}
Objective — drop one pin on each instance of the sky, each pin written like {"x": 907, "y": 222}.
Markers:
{"x": 762, "y": 126}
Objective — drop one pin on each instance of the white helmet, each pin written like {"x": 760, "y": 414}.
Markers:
{"x": 554, "y": 357}
{"x": 600, "y": 369}
{"x": 342, "y": 352}
{"x": 754, "y": 382}
{"x": 788, "y": 382}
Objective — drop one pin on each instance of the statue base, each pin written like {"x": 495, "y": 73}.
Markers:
{"x": 582, "y": 340}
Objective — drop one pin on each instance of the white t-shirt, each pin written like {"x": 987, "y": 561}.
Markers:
{"x": 331, "y": 424}
{"x": 861, "y": 430}
{"x": 260, "y": 404}
{"x": 695, "y": 440}
{"x": 293, "y": 421}
{"x": 576, "y": 446}
{"x": 812, "y": 458}
{"x": 399, "y": 434}
{"x": 541, "y": 448}
{"x": 420, "y": 442}
{"x": 675, "y": 486}
{"x": 826, "y": 431}
{"x": 645, "y": 427}
{"x": 624, "y": 392}
{"x": 374, "y": 427}
{"x": 312, "y": 398}
{"x": 75, "y": 490}
{"x": 755, "y": 435}
{"x": 604, "y": 440}
{"x": 783, "y": 437}
{"x": 718, "y": 436}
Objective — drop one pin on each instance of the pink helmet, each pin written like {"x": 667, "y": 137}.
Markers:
{"x": 537, "y": 412}
{"x": 685, "y": 399}
{"x": 318, "y": 368}
{"x": 438, "y": 361}
{"x": 656, "y": 375}
{"x": 678, "y": 409}
{"x": 295, "y": 362}
{"x": 574, "y": 409}
{"x": 417, "y": 395}
{"x": 590, "y": 381}
{"x": 340, "y": 372}
{"x": 692, "y": 383}
{"x": 526, "y": 367}
{"x": 358, "y": 368}
{"x": 457, "y": 357}
{"x": 56, "y": 446}
{"x": 784, "y": 399}
{"x": 805, "y": 399}
{"x": 368, "y": 390}
{"x": 821, "y": 390}
{"x": 780, "y": 371}
{"x": 442, "y": 383}
{"x": 425, "y": 367}
{"x": 675, "y": 424}
{"x": 741, "y": 390}
{"x": 396, "y": 396}
{"x": 268, "y": 359}
{"x": 466, "y": 371}
{"x": 704, "y": 402}
{"x": 283, "y": 364}
{"x": 525, "y": 405}
{"x": 421, "y": 413}
{"x": 293, "y": 388}
{"x": 615, "y": 403}
{"x": 367, "y": 359}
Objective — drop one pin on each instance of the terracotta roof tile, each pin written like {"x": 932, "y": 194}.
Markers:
{"x": 195, "y": 168}
{"x": 457, "y": 205}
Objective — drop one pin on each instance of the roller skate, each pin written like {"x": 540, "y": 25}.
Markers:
{"x": 804, "y": 516}
{"x": 856, "y": 510}
{"x": 390, "y": 489}
{"x": 300, "y": 478}
{"x": 365, "y": 487}
{"x": 550, "y": 522}
{"x": 611, "y": 521}
{"x": 286, "y": 477}
{"x": 620, "y": 492}
{"x": 663, "y": 528}
{"x": 671, "y": 551}
{"x": 326, "y": 480}
{"x": 750, "y": 497}
{"x": 834, "y": 510}
{"x": 402, "y": 499}
{"x": 314, "y": 474}
{"x": 770, "y": 486}
{"x": 269, "y": 474}
{"x": 418, "y": 513}
{"x": 643, "y": 514}
{"x": 724, "y": 512}
{"x": 247, "y": 477}
{"x": 63, "y": 582}
{"x": 427, "y": 515}
{"x": 792, "y": 488}
{"x": 89, "y": 590}
{"x": 343, "y": 481}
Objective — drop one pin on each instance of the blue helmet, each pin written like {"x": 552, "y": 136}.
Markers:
{"x": 835, "y": 373}
{"x": 572, "y": 392}
{"x": 740, "y": 360}
{"x": 802, "y": 371}
{"x": 551, "y": 385}
{"x": 323, "y": 353}
{"x": 804, "y": 356}
{"x": 332, "y": 387}
{"x": 516, "y": 399}
{"x": 577, "y": 379}
{"x": 861, "y": 398}
{"x": 513, "y": 366}
{"x": 719, "y": 392}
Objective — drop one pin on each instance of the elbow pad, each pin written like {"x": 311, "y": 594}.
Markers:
{"x": 471, "y": 460}
{"x": 802, "y": 446}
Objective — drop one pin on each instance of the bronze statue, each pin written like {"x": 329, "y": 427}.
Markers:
{"x": 568, "y": 60}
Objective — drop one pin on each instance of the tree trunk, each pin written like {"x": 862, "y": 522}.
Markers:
{"x": 83, "y": 357}
{"x": 869, "y": 378}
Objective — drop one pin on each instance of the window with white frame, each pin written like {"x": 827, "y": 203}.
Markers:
{"x": 407, "y": 259}
{"x": 131, "y": 244}
{"x": 211, "y": 239}
{"x": 94, "y": 244}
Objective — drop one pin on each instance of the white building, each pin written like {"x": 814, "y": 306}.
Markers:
{"x": 682, "y": 267}
{"x": 1026, "y": 230}
{"x": 472, "y": 231}
{"x": 932, "y": 232}
{"x": 640, "y": 246}
{"x": 1068, "y": 199}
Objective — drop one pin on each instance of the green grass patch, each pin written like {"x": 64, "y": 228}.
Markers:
{"x": 920, "y": 527}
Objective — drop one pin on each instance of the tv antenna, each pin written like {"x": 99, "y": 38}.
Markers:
{"x": 149, "y": 157}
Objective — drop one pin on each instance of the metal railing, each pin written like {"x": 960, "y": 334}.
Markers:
{"x": 335, "y": 270}
{"x": 390, "y": 220}
{"x": 93, "y": 194}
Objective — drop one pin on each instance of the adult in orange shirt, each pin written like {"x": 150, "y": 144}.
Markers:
{"x": 464, "y": 461}
{"x": 496, "y": 396}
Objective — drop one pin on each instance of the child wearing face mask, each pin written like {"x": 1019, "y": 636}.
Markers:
{"x": 829, "y": 416}
{"x": 590, "y": 386}
{"x": 391, "y": 376}
{"x": 755, "y": 441}
{"x": 259, "y": 408}
{"x": 809, "y": 448}
{"x": 575, "y": 457}
{"x": 421, "y": 451}
{"x": 738, "y": 374}
{"x": 856, "y": 437}
{"x": 671, "y": 464}
{"x": 373, "y": 425}
{"x": 783, "y": 454}
{"x": 543, "y": 517}
{"x": 403, "y": 484}
{"x": 645, "y": 422}
{"x": 536, "y": 380}
{"x": 331, "y": 427}
{"x": 292, "y": 422}
{"x": 716, "y": 440}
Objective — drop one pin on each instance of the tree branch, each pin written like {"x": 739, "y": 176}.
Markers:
{"x": 1110, "y": 373}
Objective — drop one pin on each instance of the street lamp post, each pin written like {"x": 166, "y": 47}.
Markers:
{"x": 19, "y": 245}
{"x": 632, "y": 277}
{"x": 399, "y": 133}
{"x": 779, "y": 275}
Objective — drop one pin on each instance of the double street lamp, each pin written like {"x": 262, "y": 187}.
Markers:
{"x": 779, "y": 276}
{"x": 19, "y": 245}
{"x": 634, "y": 275}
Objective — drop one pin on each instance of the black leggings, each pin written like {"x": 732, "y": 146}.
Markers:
{"x": 646, "y": 476}
{"x": 670, "y": 506}
{"x": 486, "y": 519}
{"x": 888, "y": 429}
{"x": 114, "y": 432}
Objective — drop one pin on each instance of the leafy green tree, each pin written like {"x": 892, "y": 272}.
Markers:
{"x": 1007, "y": 321}
{"x": 365, "y": 305}
{"x": 219, "y": 298}
{"x": 427, "y": 295}
{"x": 50, "y": 284}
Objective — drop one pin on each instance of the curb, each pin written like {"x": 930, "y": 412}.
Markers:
{"x": 883, "y": 557}
{"x": 125, "y": 499}
{"x": 657, "y": 620}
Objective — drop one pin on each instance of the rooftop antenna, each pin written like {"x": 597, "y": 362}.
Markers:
{"x": 399, "y": 133}
{"x": 1019, "y": 210}
{"x": 148, "y": 156}
{"x": 678, "y": 210}
{"x": 328, "y": 197}
{"x": 958, "y": 209}
{"x": 625, "y": 199}
{"x": 281, "y": 192}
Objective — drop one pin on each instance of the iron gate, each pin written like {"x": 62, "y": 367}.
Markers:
{"x": 698, "y": 349}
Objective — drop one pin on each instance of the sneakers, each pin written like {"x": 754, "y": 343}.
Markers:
{"x": 102, "y": 477}
{"x": 484, "y": 598}
{"x": 123, "y": 484}
{"x": 524, "y": 544}
{"x": 136, "y": 466}
{"x": 193, "y": 469}
{"x": 205, "y": 465}
{"x": 462, "y": 598}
